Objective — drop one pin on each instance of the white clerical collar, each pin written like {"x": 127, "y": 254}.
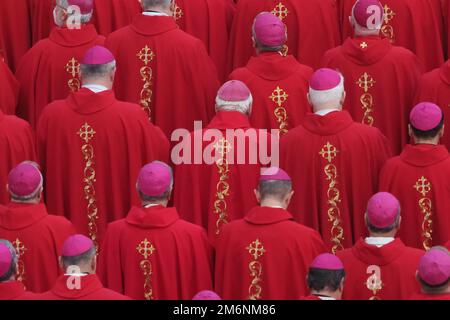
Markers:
{"x": 95, "y": 87}
{"x": 326, "y": 298}
{"x": 276, "y": 207}
{"x": 379, "y": 241}
{"x": 151, "y": 205}
{"x": 155, "y": 14}
{"x": 324, "y": 112}
{"x": 76, "y": 274}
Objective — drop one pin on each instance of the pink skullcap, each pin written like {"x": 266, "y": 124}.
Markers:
{"x": 364, "y": 11}
{"x": 86, "y": 6}
{"x": 97, "y": 55}
{"x": 76, "y": 245}
{"x": 24, "y": 180}
{"x": 382, "y": 210}
{"x": 206, "y": 295}
{"x": 327, "y": 261}
{"x": 234, "y": 91}
{"x": 269, "y": 30}
{"x": 325, "y": 79}
{"x": 425, "y": 116}
{"x": 274, "y": 173}
{"x": 154, "y": 179}
{"x": 434, "y": 267}
{"x": 5, "y": 259}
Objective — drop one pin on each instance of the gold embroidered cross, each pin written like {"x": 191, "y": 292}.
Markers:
{"x": 19, "y": 246}
{"x": 281, "y": 11}
{"x": 145, "y": 248}
{"x": 329, "y": 152}
{"x": 223, "y": 147}
{"x": 389, "y": 14}
{"x": 256, "y": 249}
{"x": 423, "y": 186}
{"x": 86, "y": 132}
{"x": 146, "y": 55}
{"x": 279, "y": 96}
{"x": 73, "y": 67}
{"x": 363, "y": 45}
{"x": 366, "y": 82}
{"x": 177, "y": 12}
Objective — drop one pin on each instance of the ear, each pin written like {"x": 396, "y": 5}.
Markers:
{"x": 257, "y": 195}
{"x": 309, "y": 98}
{"x": 113, "y": 75}
{"x": 61, "y": 265}
{"x": 410, "y": 133}
{"x": 94, "y": 263}
{"x": 341, "y": 285}
{"x": 289, "y": 198}
{"x": 441, "y": 133}
{"x": 365, "y": 219}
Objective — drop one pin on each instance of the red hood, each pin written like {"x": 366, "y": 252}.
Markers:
{"x": 330, "y": 124}
{"x": 366, "y": 54}
{"x": 16, "y": 216}
{"x": 73, "y": 37}
{"x": 153, "y": 217}
{"x": 153, "y": 25}
{"x": 423, "y": 155}
{"x": 272, "y": 66}
{"x": 11, "y": 290}
{"x": 86, "y": 102}
{"x": 267, "y": 215}
{"x": 373, "y": 255}
{"x": 229, "y": 120}
{"x": 445, "y": 72}
{"x": 88, "y": 285}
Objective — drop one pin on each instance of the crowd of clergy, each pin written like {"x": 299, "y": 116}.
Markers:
{"x": 105, "y": 192}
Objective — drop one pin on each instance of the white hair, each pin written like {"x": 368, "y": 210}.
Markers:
{"x": 320, "y": 97}
{"x": 84, "y": 18}
{"x": 240, "y": 106}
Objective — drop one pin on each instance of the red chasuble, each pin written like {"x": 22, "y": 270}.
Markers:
{"x": 110, "y": 15}
{"x": 212, "y": 195}
{"x": 424, "y": 296}
{"x": 279, "y": 86}
{"x": 166, "y": 71}
{"x": 417, "y": 25}
{"x": 16, "y": 145}
{"x": 92, "y": 147}
{"x": 385, "y": 273}
{"x": 90, "y": 288}
{"x": 334, "y": 175}
{"x": 37, "y": 238}
{"x": 153, "y": 254}
{"x": 380, "y": 82}
{"x": 265, "y": 256}
{"x": 14, "y": 290}
{"x": 15, "y": 30}
{"x": 42, "y": 20}
{"x": 435, "y": 87}
{"x": 9, "y": 91}
{"x": 419, "y": 178}
{"x": 51, "y": 69}
{"x": 448, "y": 245}
{"x": 312, "y": 27}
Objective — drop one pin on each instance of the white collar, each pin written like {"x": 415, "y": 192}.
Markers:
{"x": 76, "y": 274}
{"x": 379, "y": 241}
{"x": 151, "y": 205}
{"x": 155, "y": 14}
{"x": 277, "y": 207}
{"x": 325, "y": 298}
{"x": 324, "y": 112}
{"x": 95, "y": 87}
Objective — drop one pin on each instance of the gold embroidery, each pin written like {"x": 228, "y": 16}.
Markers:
{"x": 279, "y": 97}
{"x": 423, "y": 186}
{"x": 87, "y": 133}
{"x": 329, "y": 152}
{"x": 177, "y": 12}
{"x": 146, "y": 249}
{"x": 374, "y": 282}
{"x": 387, "y": 30}
{"x": 256, "y": 251}
{"x": 366, "y": 82}
{"x": 73, "y": 69}
{"x": 20, "y": 251}
{"x": 281, "y": 11}
{"x": 363, "y": 45}
{"x": 146, "y": 55}
{"x": 223, "y": 147}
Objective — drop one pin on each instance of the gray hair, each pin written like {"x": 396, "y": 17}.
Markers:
{"x": 277, "y": 189}
{"x": 240, "y": 106}
{"x": 318, "y": 98}
{"x": 97, "y": 70}
{"x": 12, "y": 268}
{"x": 84, "y": 18}
{"x": 79, "y": 260}
{"x": 148, "y": 4}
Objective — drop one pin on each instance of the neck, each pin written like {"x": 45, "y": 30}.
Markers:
{"x": 159, "y": 9}
{"x": 31, "y": 201}
{"x": 432, "y": 141}
{"x": 327, "y": 293}
{"x": 97, "y": 82}
{"x": 159, "y": 203}
{"x": 272, "y": 203}
{"x": 383, "y": 235}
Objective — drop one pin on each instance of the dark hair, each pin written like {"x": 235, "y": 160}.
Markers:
{"x": 433, "y": 289}
{"x": 77, "y": 260}
{"x": 320, "y": 279}
{"x": 97, "y": 70}
{"x": 388, "y": 229}
{"x": 274, "y": 188}
{"x": 429, "y": 133}
{"x": 160, "y": 198}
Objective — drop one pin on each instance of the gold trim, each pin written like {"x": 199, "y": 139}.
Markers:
{"x": 279, "y": 97}
{"x": 146, "y": 55}
{"x": 146, "y": 249}
{"x": 256, "y": 251}
{"x": 73, "y": 69}
{"x": 423, "y": 187}
{"x": 20, "y": 248}
{"x": 366, "y": 82}
{"x": 177, "y": 12}
{"x": 223, "y": 147}
{"x": 387, "y": 30}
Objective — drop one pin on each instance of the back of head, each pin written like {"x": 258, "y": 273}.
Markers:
{"x": 73, "y": 13}
{"x": 8, "y": 261}
{"x": 269, "y": 33}
{"x": 156, "y": 5}
{"x": 326, "y": 90}
{"x": 434, "y": 271}
{"x": 274, "y": 184}
{"x": 426, "y": 122}
{"x": 78, "y": 252}
{"x": 98, "y": 66}
{"x": 367, "y": 17}
{"x": 234, "y": 95}
{"x": 155, "y": 183}
{"x": 326, "y": 274}
{"x": 25, "y": 182}
{"x": 383, "y": 214}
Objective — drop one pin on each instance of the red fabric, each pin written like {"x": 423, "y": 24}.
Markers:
{"x": 196, "y": 185}
{"x": 16, "y": 145}
{"x": 90, "y": 289}
{"x": 42, "y": 235}
{"x": 184, "y": 81}
{"x": 181, "y": 263}
{"x": 110, "y": 15}
{"x": 9, "y": 89}
{"x": 417, "y": 25}
{"x": 400, "y": 176}
{"x": 41, "y": 16}
{"x": 124, "y": 141}
{"x": 424, "y": 296}
{"x": 448, "y": 245}
{"x": 397, "y": 264}
{"x": 289, "y": 249}
{"x": 15, "y": 31}
{"x": 396, "y": 72}
{"x": 361, "y": 153}
{"x": 311, "y": 298}
{"x": 312, "y": 27}
{"x": 42, "y": 71}
{"x": 14, "y": 290}
{"x": 263, "y": 75}
{"x": 435, "y": 87}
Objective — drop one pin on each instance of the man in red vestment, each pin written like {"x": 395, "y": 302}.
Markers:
{"x": 153, "y": 254}
{"x": 381, "y": 79}
{"x": 91, "y": 147}
{"x": 325, "y": 278}
{"x": 10, "y": 289}
{"x": 51, "y": 69}
{"x": 165, "y": 70}
{"x": 213, "y": 193}
{"x": 278, "y": 83}
{"x": 36, "y": 235}
{"x": 419, "y": 179}
{"x": 337, "y": 169}
{"x": 312, "y": 25}
{"x": 266, "y": 255}
{"x": 17, "y": 144}
{"x": 111, "y": 15}
{"x": 380, "y": 267}
{"x": 433, "y": 274}
{"x": 80, "y": 282}
{"x": 415, "y": 25}
{"x": 9, "y": 89}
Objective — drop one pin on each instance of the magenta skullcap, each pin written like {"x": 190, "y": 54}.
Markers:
{"x": 269, "y": 30}
{"x": 207, "y": 295}
{"x": 274, "y": 173}
{"x": 434, "y": 266}
{"x": 154, "y": 179}
{"x": 5, "y": 259}
{"x": 24, "y": 180}
{"x": 327, "y": 261}
{"x": 234, "y": 91}
{"x": 425, "y": 116}
{"x": 382, "y": 210}
{"x": 86, "y": 6}
{"x": 97, "y": 55}
{"x": 364, "y": 12}
{"x": 325, "y": 79}
{"x": 76, "y": 245}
